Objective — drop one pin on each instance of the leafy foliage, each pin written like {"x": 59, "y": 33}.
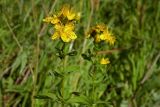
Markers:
{"x": 30, "y": 71}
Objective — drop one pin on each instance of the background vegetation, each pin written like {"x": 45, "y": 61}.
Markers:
{"x": 28, "y": 61}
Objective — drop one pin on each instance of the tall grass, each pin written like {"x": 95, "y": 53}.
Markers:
{"x": 29, "y": 66}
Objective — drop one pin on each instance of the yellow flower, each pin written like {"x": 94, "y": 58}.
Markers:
{"x": 102, "y": 36}
{"x": 110, "y": 39}
{"x": 101, "y": 33}
{"x": 104, "y": 61}
{"x": 65, "y": 32}
{"x": 53, "y": 20}
{"x": 68, "y": 12}
{"x": 64, "y": 23}
{"x": 100, "y": 28}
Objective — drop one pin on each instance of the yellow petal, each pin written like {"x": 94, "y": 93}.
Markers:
{"x": 69, "y": 27}
{"x": 72, "y": 35}
{"x": 104, "y": 61}
{"x": 55, "y": 35}
{"x": 101, "y": 27}
{"x": 102, "y": 36}
{"x": 65, "y": 10}
{"x": 110, "y": 39}
{"x": 97, "y": 38}
{"x": 71, "y": 15}
{"x": 58, "y": 27}
{"x": 48, "y": 19}
{"x": 65, "y": 38}
{"x": 55, "y": 20}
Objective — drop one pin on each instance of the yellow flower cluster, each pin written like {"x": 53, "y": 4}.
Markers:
{"x": 104, "y": 61}
{"x": 101, "y": 33}
{"x": 64, "y": 23}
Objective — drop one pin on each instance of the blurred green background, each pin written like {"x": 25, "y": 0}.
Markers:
{"x": 28, "y": 60}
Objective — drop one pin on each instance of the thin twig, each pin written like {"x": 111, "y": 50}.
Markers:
{"x": 150, "y": 70}
{"x": 14, "y": 36}
{"x": 110, "y": 51}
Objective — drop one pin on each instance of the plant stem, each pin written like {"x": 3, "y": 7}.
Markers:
{"x": 63, "y": 72}
{"x": 35, "y": 72}
{"x": 93, "y": 83}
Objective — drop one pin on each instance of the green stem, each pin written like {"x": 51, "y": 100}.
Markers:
{"x": 93, "y": 84}
{"x": 35, "y": 72}
{"x": 63, "y": 72}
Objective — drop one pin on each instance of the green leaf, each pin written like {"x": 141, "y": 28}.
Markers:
{"x": 72, "y": 68}
{"x": 45, "y": 96}
{"x": 23, "y": 61}
{"x": 108, "y": 104}
{"x": 16, "y": 63}
{"x": 80, "y": 99}
{"x": 18, "y": 89}
{"x": 20, "y": 62}
{"x": 57, "y": 74}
